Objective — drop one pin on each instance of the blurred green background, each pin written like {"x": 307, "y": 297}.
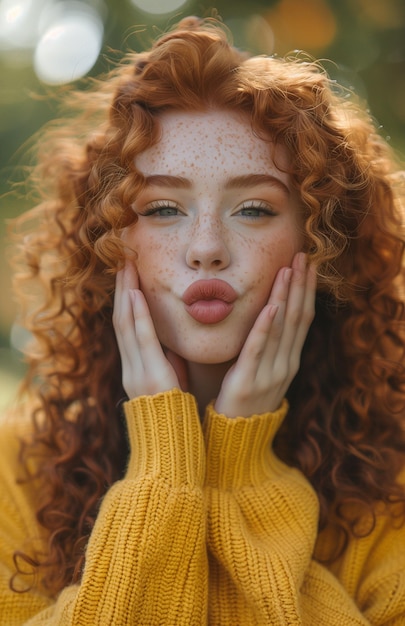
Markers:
{"x": 44, "y": 43}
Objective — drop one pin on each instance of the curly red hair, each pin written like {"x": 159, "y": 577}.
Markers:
{"x": 344, "y": 429}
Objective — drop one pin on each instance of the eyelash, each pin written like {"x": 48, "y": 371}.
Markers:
{"x": 160, "y": 205}
{"x": 259, "y": 207}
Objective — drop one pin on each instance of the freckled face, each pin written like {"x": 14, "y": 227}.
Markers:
{"x": 214, "y": 206}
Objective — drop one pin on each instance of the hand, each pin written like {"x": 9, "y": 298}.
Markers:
{"x": 145, "y": 368}
{"x": 270, "y": 357}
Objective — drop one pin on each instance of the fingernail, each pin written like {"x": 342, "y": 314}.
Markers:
{"x": 287, "y": 274}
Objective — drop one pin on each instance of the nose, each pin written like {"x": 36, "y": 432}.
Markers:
{"x": 207, "y": 248}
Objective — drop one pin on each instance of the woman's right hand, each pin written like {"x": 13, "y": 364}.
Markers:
{"x": 145, "y": 368}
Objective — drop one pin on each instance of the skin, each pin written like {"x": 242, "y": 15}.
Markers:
{"x": 209, "y": 222}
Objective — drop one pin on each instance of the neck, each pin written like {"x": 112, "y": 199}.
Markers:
{"x": 204, "y": 382}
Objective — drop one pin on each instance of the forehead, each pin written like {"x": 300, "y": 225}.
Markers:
{"x": 209, "y": 141}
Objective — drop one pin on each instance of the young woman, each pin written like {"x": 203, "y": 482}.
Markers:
{"x": 217, "y": 256}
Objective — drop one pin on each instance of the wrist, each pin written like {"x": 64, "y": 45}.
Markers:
{"x": 166, "y": 438}
{"x": 239, "y": 450}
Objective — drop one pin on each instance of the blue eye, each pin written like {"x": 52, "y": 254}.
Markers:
{"x": 252, "y": 212}
{"x": 161, "y": 209}
{"x": 255, "y": 210}
{"x": 167, "y": 211}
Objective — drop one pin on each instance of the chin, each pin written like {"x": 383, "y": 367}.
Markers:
{"x": 205, "y": 350}
{"x": 208, "y": 357}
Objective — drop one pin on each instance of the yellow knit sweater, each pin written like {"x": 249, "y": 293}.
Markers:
{"x": 207, "y": 527}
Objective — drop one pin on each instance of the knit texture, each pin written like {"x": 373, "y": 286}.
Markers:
{"x": 207, "y": 527}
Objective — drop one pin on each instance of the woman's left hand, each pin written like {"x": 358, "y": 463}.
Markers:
{"x": 270, "y": 357}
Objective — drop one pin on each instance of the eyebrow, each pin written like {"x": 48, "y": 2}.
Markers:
{"x": 236, "y": 182}
{"x": 253, "y": 180}
{"x": 165, "y": 180}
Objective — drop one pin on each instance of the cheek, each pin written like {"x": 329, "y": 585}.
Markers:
{"x": 261, "y": 261}
{"x": 152, "y": 254}
{"x": 156, "y": 265}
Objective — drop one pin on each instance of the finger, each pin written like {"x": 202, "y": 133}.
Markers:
{"x": 123, "y": 319}
{"x": 299, "y": 314}
{"x": 144, "y": 327}
{"x": 122, "y": 310}
{"x": 294, "y": 304}
{"x": 289, "y": 291}
{"x": 130, "y": 278}
{"x": 262, "y": 344}
{"x": 267, "y": 329}
{"x": 124, "y": 323}
{"x": 154, "y": 362}
{"x": 279, "y": 299}
{"x": 250, "y": 358}
{"x": 308, "y": 308}
{"x": 126, "y": 238}
{"x": 126, "y": 279}
{"x": 279, "y": 292}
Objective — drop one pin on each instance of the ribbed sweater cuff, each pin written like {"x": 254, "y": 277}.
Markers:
{"x": 166, "y": 438}
{"x": 239, "y": 451}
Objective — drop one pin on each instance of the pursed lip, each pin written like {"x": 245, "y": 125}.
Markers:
{"x": 209, "y": 301}
{"x": 211, "y": 289}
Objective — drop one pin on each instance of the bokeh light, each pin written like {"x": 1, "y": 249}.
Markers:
{"x": 254, "y": 33}
{"x": 19, "y": 22}
{"x": 70, "y": 45}
{"x": 382, "y": 14}
{"x": 159, "y": 7}
{"x": 304, "y": 24}
{"x": 63, "y": 36}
